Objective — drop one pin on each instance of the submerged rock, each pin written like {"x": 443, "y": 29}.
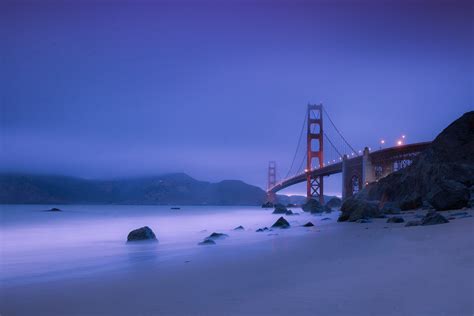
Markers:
{"x": 280, "y": 209}
{"x": 314, "y": 206}
{"x": 267, "y": 205}
{"x": 143, "y": 233}
{"x": 54, "y": 209}
{"x": 395, "y": 219}
{"x": 354, "y": 209}
{"x": 264, "y": 229}
{"x": 217, "y": 236}
{"x": 281, "y": 223}
{"x": 239, "y": 228}
{"x": 433, "y": 218}
{"x": 207, "y": 241}
{"x": 308, "y": 224}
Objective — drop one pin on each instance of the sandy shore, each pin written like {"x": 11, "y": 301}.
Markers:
{"x": 338, "y": 269}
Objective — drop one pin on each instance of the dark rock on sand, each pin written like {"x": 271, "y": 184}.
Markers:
{"x": 448, "y": 195}
{"x": 395, "y": 219}
{"x": 334, "y": 203}
{"x": 55, "y": 209}
{"x": 280, "y": 209}
{"x": 217, "y": 236}
{"x": 143, "y": 233}
{"x": 412, "y": 223}
{"x": 239, "y": 228}
{"x": 433, "y": 218}
{"x": 308, "y": 224}
{"x": 354, "y": 209}
{"x": 207, "y": 242}
{"x": 326, "y": 219}
{"x": 264, "y": 229}
{"x": 281, "y": 223}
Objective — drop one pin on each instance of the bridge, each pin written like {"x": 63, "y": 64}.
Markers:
{"x": 358, "y": 168}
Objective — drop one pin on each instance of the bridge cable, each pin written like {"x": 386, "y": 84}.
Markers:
{"x": 329, "y": 140}
{"x": 330, "y": 120}
{"x": 297, "y": 147}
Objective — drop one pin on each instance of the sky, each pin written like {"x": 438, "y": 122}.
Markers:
{"x": 216, "y": 89}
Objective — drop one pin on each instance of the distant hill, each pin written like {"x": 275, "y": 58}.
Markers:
{"x": 177, "y": 188}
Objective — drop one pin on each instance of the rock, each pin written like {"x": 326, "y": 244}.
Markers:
{"x": 395, "y": 219}
{"x": 281, "y": 223}
{"x": 143, "y": 233}
{"x": 217, "y": 236}
{"x": 412, "y": 223}
{"x": 314, "y": 206}
{"x": 308, "y": 224}
{"x": 280, "y": 209}
{"x": 54, "y": 209}
{"x": 290, "y": 205}
{"x": 334, "y": 203}
{"x": 433, "y": 218}
{"x": 326, "y": 219}
{"x": 262, "y": 229}
{"x": 289, "y": 212}
{"x": 267, "y": 205}
{"x": 451, "y": 218}
{"x": 363, "y": 221}
{"x": 448, "y": 195}
{"x": 239, "y": 228}
{"x": 390, "y": 208}
{"x": 207, "y": 242}
{"x": 354, "y": 209}
{"x": 459, "y": 214}
{"x": 175, "y": 208}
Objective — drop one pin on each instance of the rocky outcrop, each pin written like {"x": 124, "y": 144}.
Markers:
{"x": 143, "y": 233}
{"x": 308, "y": 224}
{"x": 433, "y": 218}
{"x": 281, "y": 223}
{"x": 334, "y": 203}
{"x": 442, "y": 175}
{"x": 354, "y": 209}
{"x": 280, "y": 209}
{"x": 314, "y": 206}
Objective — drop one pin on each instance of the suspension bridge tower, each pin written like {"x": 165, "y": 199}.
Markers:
{"x": 315, "y": 152}
{"x": 271, "y": 196}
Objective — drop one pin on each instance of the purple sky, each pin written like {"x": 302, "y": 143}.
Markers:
{"x": 110, "y": 88}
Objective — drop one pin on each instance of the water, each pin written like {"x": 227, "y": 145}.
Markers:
{"x": 37, "y": 245}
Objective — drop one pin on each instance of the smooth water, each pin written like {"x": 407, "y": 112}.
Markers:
{"x": 40, "y": 245}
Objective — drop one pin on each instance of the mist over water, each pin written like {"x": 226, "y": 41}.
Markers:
{"x": 83, "y": 239}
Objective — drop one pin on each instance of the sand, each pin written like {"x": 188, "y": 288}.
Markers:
{"x": 336, "y": 269}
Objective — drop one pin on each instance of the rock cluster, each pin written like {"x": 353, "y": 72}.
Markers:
{"x": 280, "y": 209}
{"x": 314, "y": 206}
{"x": 334, "y": 203}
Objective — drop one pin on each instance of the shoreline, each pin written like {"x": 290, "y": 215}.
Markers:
{"x": 335, "y": 269}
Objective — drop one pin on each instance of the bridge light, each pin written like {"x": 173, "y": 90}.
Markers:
{"x": 305, "y": 170}
{"x": 370, "y": 149}
{"x": 360, "y": 151}
{"x": 399, "y": 143}
{"x": 352, "y": 154}
{"x": 334, "y": 160}
{"x": 403, "y": 136}
{"x": 382, "y": 141}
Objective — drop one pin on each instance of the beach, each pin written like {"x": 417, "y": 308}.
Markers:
{"x": 330, "y": 269}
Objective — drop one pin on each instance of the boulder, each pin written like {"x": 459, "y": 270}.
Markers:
{"x": 280, "y": 209}
{"x": 433, "y": 218}
{"x": 217, "y": 236}
{"x": 308, "y": 224}
{"x": 281, "y": 223}
{"x": 448, "y": 195}
{"x": 390, "y": 208}
{"x": 354, "y": 209}
{"x": 206, "y": 242}
{"x": 143, "y": 233}
{"x": 314, "y": 206}
{"x": 239, "y": 228}
{"x": 334, "y": 203}
{"x": 267, "y": 205}
{"x": 412, "y": 223}
{"x": 395, "y": 219}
